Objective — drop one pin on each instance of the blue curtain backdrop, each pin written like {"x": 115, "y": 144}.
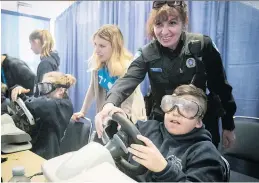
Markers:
{"x": 15, "y": 30}
{"x": 74, "y": 29}
{"x": 234, "y": 27}
{"x": 235, "y": 35}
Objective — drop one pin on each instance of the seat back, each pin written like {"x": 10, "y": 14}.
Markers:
{"x": 76, "y": 135}
{"x": 247, "y": 136}
{"x": 243, "y": 157}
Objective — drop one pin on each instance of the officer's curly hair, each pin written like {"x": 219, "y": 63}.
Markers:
{"x": 162, "y": 14}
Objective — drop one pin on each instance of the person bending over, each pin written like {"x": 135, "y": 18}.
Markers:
{"x": 52, "y": 111}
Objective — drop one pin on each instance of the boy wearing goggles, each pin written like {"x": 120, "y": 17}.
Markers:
{"x": 52, "y": 110}
{"x": 180, "y": 148}
{"x": 183, "y": 112}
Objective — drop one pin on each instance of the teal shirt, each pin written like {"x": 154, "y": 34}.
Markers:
{"x": 105, "y": 80}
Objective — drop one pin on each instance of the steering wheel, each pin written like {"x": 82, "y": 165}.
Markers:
{"x": 22, "y": 117}
{"x": 117, "y": 146}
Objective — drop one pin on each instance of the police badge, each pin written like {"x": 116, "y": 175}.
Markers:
{"x": 190, "y": 62}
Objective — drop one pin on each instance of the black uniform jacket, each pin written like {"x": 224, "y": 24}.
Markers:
{"x": 167, "y": 71}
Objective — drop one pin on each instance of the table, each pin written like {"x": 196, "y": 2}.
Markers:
{"x": 29, "y": 160}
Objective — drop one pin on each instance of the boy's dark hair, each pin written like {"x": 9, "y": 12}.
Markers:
{"x": 193, "y": 91}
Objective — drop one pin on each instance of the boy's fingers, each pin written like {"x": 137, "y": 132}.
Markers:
{"x": 140, "y": 148}
{"x": 148, "y": 142}
{"x": 139, "y": 160}
{"x": 137, "y": 153}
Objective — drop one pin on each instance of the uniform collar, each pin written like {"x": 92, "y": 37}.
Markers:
{"x": 173, "y": 53}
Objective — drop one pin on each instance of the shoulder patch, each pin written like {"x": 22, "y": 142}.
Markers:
{"x": 137, "y": 54}
{"x": 214, "y": 45}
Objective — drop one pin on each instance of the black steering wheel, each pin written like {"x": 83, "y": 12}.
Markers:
{"x": 21, "y": 116}
{"x": 118, "y": 147}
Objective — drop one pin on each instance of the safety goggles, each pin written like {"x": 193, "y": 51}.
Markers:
{"x": 159, "y": 4}
{"x": 186, "y": 108}
{"x": 46, "y": 88}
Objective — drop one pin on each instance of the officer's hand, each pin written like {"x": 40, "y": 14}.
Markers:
{"x": 228, "y": 138}
{"x": 76, "y": 116}
{"x": 115, "y": 110}
{"x": 148, "y": 156}
{"x": 102, "y": 117}
{"x": 17, "y": 91}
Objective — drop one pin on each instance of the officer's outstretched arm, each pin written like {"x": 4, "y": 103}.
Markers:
{"x": 124, "y": 86}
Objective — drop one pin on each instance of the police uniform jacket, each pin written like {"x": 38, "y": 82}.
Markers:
{"x": 168, "y": 69}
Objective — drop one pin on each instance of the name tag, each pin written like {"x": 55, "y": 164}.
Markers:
{"x": 156, "y": 69}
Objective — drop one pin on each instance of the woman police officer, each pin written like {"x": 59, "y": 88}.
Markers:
{"x": 175, "y": 57}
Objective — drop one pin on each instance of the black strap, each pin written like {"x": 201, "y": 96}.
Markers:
{"x": 36, "y": 174}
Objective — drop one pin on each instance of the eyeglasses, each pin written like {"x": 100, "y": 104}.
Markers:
{"x": 186, "y": 108}
{"x": 159, "y": 4}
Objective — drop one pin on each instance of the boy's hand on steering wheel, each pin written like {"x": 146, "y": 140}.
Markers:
{"x": 148, "y": 156}
{"x": 17, "y": 91}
